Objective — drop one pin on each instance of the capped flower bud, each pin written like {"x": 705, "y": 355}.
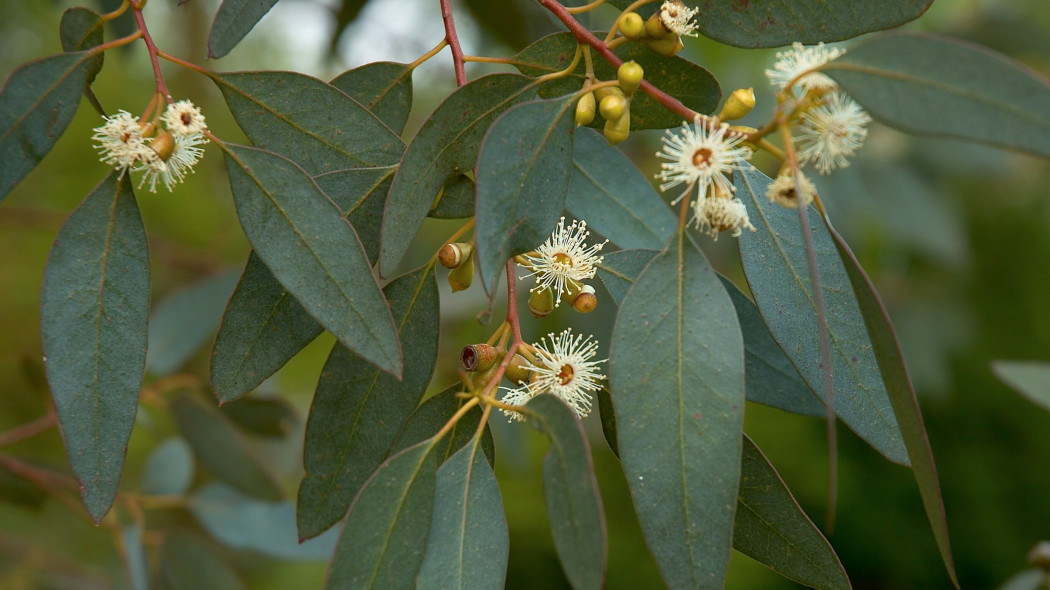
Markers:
{"x": 571, "y": 290}
{"x": 667, "y": 46}
{"x": 630, "y": 76}
{"x": 739, "y": 104}
{"x": 453, "y": 254}
{"x": 462, "y": 276}
{"x": 612, "y": 107}
{"x": 518, "y": 371}
{"x": 586, "y": 300}
{"x": 163, "y": 145}
{"x": 478, "y": 357}
{"x": 606, "y": 91}
{"x": 585, "y": 109}
{"x": 541, "y": 302}
{"x": 616, "y": 130}
{"x": 656, "y": 29}
{"x": 631, "y": 25}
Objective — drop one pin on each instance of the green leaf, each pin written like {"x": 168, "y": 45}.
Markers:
{"x": 291, "y": 114}
{"x": 468, "y": 543}
{"x": 446, "y": 146}
{"x": 221, "y": 449}
{"x": 574, "y": 506}
{"x": 1029, "y": 378}
{"x": 770, "y": 377}
{"x": 523, "y": 177}
{"x": 771, "y": 527}
{"x": 262, "y": 416}
{"x": 677, "y": 76}
{"x": 612, "y": 195}
{"x": 385, "y": 536}
{"x": 360, "y": 194}
{"x": 358, "y": 411}
{"x": 36, "y": 105}
{"x": 183, "y": 322}
{"x": 264, "y": 326}
{"x": 232, "y": 22}
{"x": 774, "y": 261}
{"x": 434, "y": 413}
{"x": 241, "y": 522}
{"x": 313, "y": 252}
{"x": 94, "y": 309}
{"x": 383, "y": 87}
{"x": 456, "y": 201}
{"x": 676, "y": 371}
{"x": 190, "y": 562}
{"x": 773, "y": 23}
{"x": 169, "y": 470}
{"x": 79, "y": 30}
{"x": 901, "y": 395}
{"x": 914, "y": 82}
{"x": 607, "y": 414}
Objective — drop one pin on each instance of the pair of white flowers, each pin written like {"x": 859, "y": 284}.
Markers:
{"x": 124, "y": 143}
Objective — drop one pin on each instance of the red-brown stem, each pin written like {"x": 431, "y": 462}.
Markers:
{"x": 512, "y": 306}
{"x": 453, "y": 42}
{"x": 162, "y": 88}
{"x": 27, "y": 430}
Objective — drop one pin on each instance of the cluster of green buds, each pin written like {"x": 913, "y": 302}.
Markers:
{"x": 458, "y": 257}
{"x": 579, "y": 295}
{"x": 663, "y": 31}
{"x": 613, "y": 102}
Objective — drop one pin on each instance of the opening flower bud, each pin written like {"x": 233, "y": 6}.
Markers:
{"x": 541, "y": 302}
{"x": 478, "y": 357}
{"x": 655, "y": 28}
{"x": 164, "y": 145}
{"x": 612, "y": 107}
{"x": 518, "y": 371}
{"x": 586, "y": 300}
{"x": 630, "y": 76}
{"x": 739, "y": 104}
{"x": 585, "y": 109}
{"x": 616, "y": 130}
{"x": 631, "y": 25}
{"x": 453, "y": 254}
{"x": 462, "y": 276}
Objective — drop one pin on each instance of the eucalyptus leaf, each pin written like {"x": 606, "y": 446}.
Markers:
{"x": 79, "y": 30}
{"x": 612, "y": 195}
{"x": 771, "y": 527}
{"x": 383, "y": 87}
{"x": 233, "y": 21}
{"x": 304, "y": 240}
{"x": 446, "y": 146}
{"x": 94, "y": 309}
{"x": 1029, "y": 378}
{"x": 914, "y": 82}
{"x": 468, "y": 544}
{"x": 457, "y": 199}
{"x": 358, "y": 411}
{"x": 570, "y": 489}
{"x": 190, "y": 562}
{"x": 384, "y": 539}
{"x": 523, "y": 174}
{"x": 36, "y": 105}
{"x": 676, "y": 372}
{"x": 774, "y": 261}
{"x": 262, "y": 416}
{"x": 183, "y": 322}
{"x": 135, "y": 557}
{"x": 682, "y": 79}
{"x": 169, "y": 469}
{"x": 433, "y": 414}
{"x": 221, "y": 449}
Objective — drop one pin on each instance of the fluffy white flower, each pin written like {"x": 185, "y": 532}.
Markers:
{"x": 831, "y": 133}
{"x": 678, "y": 18}
{"x": 721, "y": 212}
{"x": 799, "y": 60}
{"x": 700, "y": 158}
{"x": 516, "y": 397}
{"x": 782, "y": 190}
{"x": 184, "y": 118}
{"x": 120, "y": 143}
{"x": 564, "y": 369}
{"x": 183, "y": 157}
{"x": 563, "y": 261}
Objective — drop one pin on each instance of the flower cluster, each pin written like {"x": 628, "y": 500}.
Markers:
{"x": 124, "y": 143}
{"x": 564, "y": 261}
{"x": 677, "y": 18}
{"x": 563, "y": 368}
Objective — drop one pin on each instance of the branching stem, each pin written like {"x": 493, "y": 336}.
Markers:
{"x": 453, "y": 42}
{"x": 162, "y": 88}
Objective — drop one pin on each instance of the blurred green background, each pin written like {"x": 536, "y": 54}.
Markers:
{"x": 956, "y": 237}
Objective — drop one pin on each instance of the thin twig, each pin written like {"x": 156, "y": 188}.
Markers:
{"x": 28, "y": 429}
{"x": 453, "y": 42}
{"x": 162, "y": 88}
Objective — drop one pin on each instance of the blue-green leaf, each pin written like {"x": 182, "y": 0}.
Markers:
{"x": 434, "y": 413}
{"x": 304, "y": 240}
{"x": 135, "y": 557}
{"x": 775, "y": 265}
{"x": 523, "y": 178}
{"x": 94, "y": 311}
{"x": 1029, "y": 378}
{"x": 169, "y": 470}
{"x": 183, "y": 322}
{"x": 232, "y": 22}
{"x": 383, "y": 87}
{"x": 676, "y": 371}
{"x": 79, "y": 30}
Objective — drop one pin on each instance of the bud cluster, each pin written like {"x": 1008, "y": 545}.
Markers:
{"x": 613, "y": 102}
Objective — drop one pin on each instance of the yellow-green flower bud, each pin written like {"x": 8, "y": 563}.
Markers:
{"x": 462, "y": 276}
{"x": 606, "y": 91}
{"x": 518, "y": 371}
{"x": 616, "y": 130}
{"x": 739, "y": 104}
{"x": 667, "y": 46}
{"x": 612, "y": 107}
{"x": 163, "y": 145}
{"x": 630, "y": 76}
{"x": 631, "y": 25}
{"x": 655, "y": 28}
{"x": 478, "y": 357}
{"x": 541, "y": 303}
{"x": 453, "y": 254}
{"x": 585, "y": 109}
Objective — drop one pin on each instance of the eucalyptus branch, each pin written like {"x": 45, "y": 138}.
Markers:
{"x": 453, "y": 42}
{"x": 28, "y": 429}
{"x": 151, "y": 47}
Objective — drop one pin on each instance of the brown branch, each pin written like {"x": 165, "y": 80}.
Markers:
{"x": 453, "y": 42}
{"x": 162, "y": 88}
{"x": 27, "y": 430}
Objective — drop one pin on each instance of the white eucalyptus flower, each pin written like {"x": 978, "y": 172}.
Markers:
{"x": 564, "y": 369}
{"x": 171, "y": 171}
{"x": 799, "y": 60}
{"x": 678, "y": 18}
{"x": 782, "y": 190}
{"x": 563, "y": 261}
{"x": 721, "y": 212}
{"x": 184, "y": 118}
{"x": 119, "y": 141}
{"x": 700, "y": 158}
{"x": 831, "y": 133}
